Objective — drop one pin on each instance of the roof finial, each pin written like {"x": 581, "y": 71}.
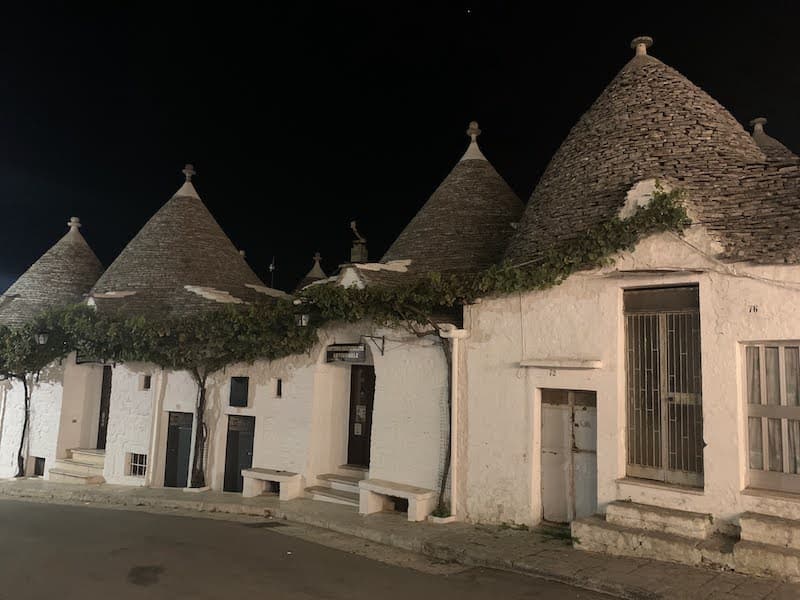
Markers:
{"x": 189, "y": 171}
{"x": 641, "y": 44}
{"x": 473, "y": 131}
{"x": 74, "y": 224}
{"x": 758, "y": 124}
{"x": 317, "y": 257}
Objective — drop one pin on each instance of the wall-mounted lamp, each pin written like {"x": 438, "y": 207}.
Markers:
{"x": 41, "y": 338}
{"x": 301, "y": 320}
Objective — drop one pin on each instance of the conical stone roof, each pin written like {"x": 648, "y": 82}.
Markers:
{"x": 180, "y": 262}
{"x": 653, "y": 123}
{"x": 465, "y": 224}
{"x": 315, "y": 273}
{"x": 62, "y": 276}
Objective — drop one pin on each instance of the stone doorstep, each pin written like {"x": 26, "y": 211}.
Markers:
{"x": 773, "y": 531}
{"x": 655, "y": 518}
{"x": 327, "y": 494}
{"x": 63, "y": 476}
{"x": 596, "y": 534}
{"x": 88, "y": 455}
{"x": 342, "y": 483}
{"x": 765, "y": 560}
{"x": 78, "y": 467}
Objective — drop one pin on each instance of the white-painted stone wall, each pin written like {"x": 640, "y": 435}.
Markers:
{"x": 60, "y": 414}
{"x": 305, "y": 430}
{"x": 583, "y": 319}
{"x": 129, "y": 422}
{"x": 410, "y": 421}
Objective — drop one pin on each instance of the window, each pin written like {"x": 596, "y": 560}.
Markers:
{"x": 137, "y": 464}
{"x": 278, "y": 388}
{"x": 664, "y": 385}
{"x": 772, "y": 372}
{"x": 38, "y": 466}
{"x": 239, "y": 387}
{"x": 146, "y": 381}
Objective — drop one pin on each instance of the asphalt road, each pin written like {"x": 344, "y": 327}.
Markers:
{"x": 66, "y": 552}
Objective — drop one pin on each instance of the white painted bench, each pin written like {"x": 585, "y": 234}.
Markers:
{"x": 290, "y": 485}
{"x": 374, "y": 496}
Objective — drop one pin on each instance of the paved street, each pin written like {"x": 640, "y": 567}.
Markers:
{"x": 66, "y": 552}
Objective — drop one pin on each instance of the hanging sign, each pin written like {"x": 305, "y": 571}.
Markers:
{"x": 346, "y": 353}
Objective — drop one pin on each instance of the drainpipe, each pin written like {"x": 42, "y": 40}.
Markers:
{"x": 450, "y": 332}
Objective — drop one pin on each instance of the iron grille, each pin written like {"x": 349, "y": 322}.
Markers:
{"x": 664, "y": 396}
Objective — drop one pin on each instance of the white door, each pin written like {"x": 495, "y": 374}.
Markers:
{"x": 569, "y": 454}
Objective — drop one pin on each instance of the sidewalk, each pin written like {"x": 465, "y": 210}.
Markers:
{"x": 542, "y": 552}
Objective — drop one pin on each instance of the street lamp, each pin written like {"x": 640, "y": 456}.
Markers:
{"x": 41, "y": 338}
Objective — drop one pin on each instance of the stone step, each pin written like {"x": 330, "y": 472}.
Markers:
{"x": 326, "y": 494}
{"x": 773, "y": 531}
{"x": 77, "y": 467}
{"x": 596, "y": 534}
{"x": 343, "y": 483}
{"x": 356, "y": 471}
{"x": 655, "y": 518}
{"x": 88, "y": 455}
{"x": 61, "y": 476}
{"x": 766, "y": 560}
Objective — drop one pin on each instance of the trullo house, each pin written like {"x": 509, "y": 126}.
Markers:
{"x": 662, "y": 390}
{"x": 63, "y": 413}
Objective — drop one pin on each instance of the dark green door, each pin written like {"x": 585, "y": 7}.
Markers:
{"x": 179, "y": 446}
{"x": 239, "y": 450}
{"x": 362, "y": 395}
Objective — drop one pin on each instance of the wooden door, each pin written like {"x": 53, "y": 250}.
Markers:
{"x": 569, "y": 454}
{"x": 362, "y": 396}
{"x": 239, "y": 450}
{"x": 179, "y": 446}
{"x": 105, "y": 403}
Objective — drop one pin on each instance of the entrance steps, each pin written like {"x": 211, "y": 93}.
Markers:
{"x": 643, "y": 531}
{"x": 340, "y": 488}
{"x": 769, "y": 547}
{"x": 82, "y": 466}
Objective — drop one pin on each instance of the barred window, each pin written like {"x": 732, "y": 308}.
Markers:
{"x": 137, "y": 464}
{"x": 772, "y": 371}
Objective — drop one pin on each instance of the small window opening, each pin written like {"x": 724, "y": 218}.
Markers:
{"x": 38, "y": 466}
{"x": 146, "y": 380}
{"x": 239, "y": 387}
{"x": 137, "y": 464}
{"x": 278, "y": 388}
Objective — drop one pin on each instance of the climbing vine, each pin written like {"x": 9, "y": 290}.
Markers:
{"x": 204, "y": 343}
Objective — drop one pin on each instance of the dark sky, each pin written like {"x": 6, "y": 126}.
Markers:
{"x": 300, "y": 117}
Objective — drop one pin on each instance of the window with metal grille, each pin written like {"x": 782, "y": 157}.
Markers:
{"x": 137, "y": 464}
{"x": 239, "y": 387}
{"x": 772, "y": 379}
{"x": 146, "y": 380}
{"x": 278, "y": 388}
{"x": 664, "y": 385}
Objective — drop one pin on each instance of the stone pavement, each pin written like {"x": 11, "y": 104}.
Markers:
{"x": 543, "y": 552}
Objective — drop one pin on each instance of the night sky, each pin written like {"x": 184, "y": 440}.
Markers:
{"x": 300, "y": 118}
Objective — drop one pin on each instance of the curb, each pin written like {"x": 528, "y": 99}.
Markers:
{"x": 466, "y": 556}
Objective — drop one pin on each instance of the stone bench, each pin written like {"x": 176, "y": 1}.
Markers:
{"x": 375, "y": 496}
{"x": 290, "y": 484}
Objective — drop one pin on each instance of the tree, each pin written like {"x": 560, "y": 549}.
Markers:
{"x": 200, "y": 344}
{"x": 27, "y": 349}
